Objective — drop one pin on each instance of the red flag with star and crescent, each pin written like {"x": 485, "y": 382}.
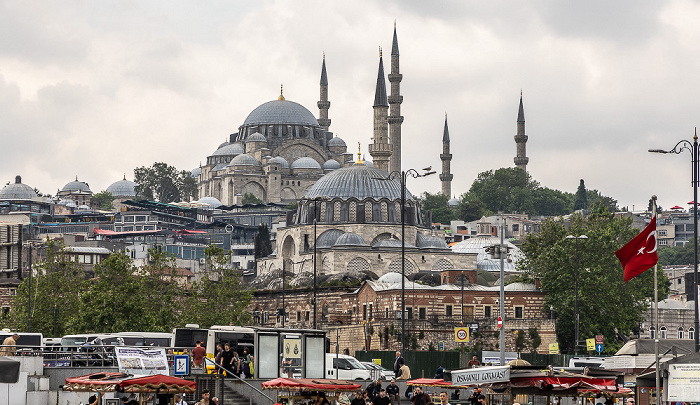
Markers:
{"x": 639, "y": 254}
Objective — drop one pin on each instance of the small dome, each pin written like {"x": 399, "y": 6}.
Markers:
{"x": 453, "y": 202}
{"x": 196, "y": 172}
{"x": 210, "y": 201}
{"x": 391, "y": 278}
{"x": 336, "y": 142}
{"x": 122, "y": 188}
{"x": 68, "y": 203}
{"x": 388, "y": 243}
{"x": 350, "y": 239}
{"x": 76, "y": 186}
{"x": 17, "y": 191}
{"x": 83, "y": 208}
{"x": 331, "y": 164}
{"x": 222, "y": 145}
{"x": 484, "y": 260}
{"x": 229, "y": 149}
{"x": 282, "y": 161}
{"x": 305, "y": 163}
{"x": 244, "y": 159}
{"x": 256, "y": 137}
{"x": 328, "y": 238}
{"x": 433, "y": 242}
{"x": 219, "y": 166}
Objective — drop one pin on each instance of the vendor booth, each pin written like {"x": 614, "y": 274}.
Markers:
{"x": 127, "y": 383}
{"x": 306, "y": 390}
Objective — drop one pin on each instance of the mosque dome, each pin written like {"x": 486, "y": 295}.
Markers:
{"x": 391, "y": 278}
{"x": 433, "y": 242}
{"x": 485, "y": 261}
{"x": 83, "y": 208}
{"x": 369, "y": 163}
{"x": 281, "y": 112}
{"x": 244, "y": 159}
{"x": 223, "y": 144}
{"x": 67, "y": 202}
{"x": 331, "y": 164}
{"x": 358, "y": 181}
{"x": 196, "y": 172}
{"x": 122, "y": 188}
{"x": 282, "y": 161}
{"x": 256, "y": 137}
{"x": 219, "y": 166}
{"x": 17, "y": 191}
{"x": 210, "y": 201}
{"x": 389, "y": 243}
{"x": 305, "y": 163}
{"x": 336, "y": 142}
{"x": 453, "y": 202}
{"x": 229, "y": 149}
{"x": 350, "y": 239}
{"x": 328, "y": 238}
{"x": 76, "y": 186}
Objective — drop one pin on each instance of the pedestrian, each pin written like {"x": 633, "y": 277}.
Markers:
{"x": 398, "y": 362}
{"x": 455, "y": 396}
{"x": 474, "y": 362}
{"x": 198, "y": 354}
{"x": 94, "y": 399}
{"x": 9, "y": 345}
{"x": 357, "y": 398}
{"x": 404, "y": 373}
{"x": 392, "y": 391}
{"x": 382, "y": 398}
{"x": 419, "y": 397}
{"x": 440, "y": 372}
{"x": 179, "y": 400}
{"x": 287, "y": 368}
{"x": 443, "y": 398}
{"x": 474, "y": 398}
{"x": 226, "y": 359}
{"x": 207, "y": 399}
{"x": 322, "y": 400}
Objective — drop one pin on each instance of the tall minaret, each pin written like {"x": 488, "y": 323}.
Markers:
{"x": 446, "y": 157}
{"x": 521, "y": 139}
{"x": 380, "y": 149}
{"x": 395, "y": 100}
{"x": 324, "y": 104}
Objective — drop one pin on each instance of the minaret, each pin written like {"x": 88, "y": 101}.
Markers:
{"x": 521, "y": 139}
{"x": 446, "y": 157}
{"x": 395, "y": 100}
{"x": 380, "y": 149}
{"x": 324, "y": 104}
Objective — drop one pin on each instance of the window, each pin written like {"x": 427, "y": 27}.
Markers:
{"x": 298, "y": 316}
{"x": 386, "y": 313}
{"x": 448, "y": 310}
{"x": 376, "y": 212}
{"x": 409, "y": 313}
{"x": 487, "y": 311}
{"x": 652, "y": 333}
{"x": 518, "y": 312}
{"x": 691, "y": 333}
{"x": 421, "y": 313}
{"x": 364, "y": 312}
{"x": 662, "y": 232}
{"x": 306, "y": 316}
{"x": 371, "y": 314}
{"x": 680, "y": 333}
{"x": 662, "y": 332}
{"x": 516, "y": 227}
{"x": 344, "y": 212}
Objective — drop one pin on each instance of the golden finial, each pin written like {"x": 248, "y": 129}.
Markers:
{"x": 394, "y": 23}
{"x": 521, "y": 92}
{"x": 324, "y": 55}
{"x": 281, "y": 97}
{"x": 380, "y": 51}
{"x": 359, "y": 153}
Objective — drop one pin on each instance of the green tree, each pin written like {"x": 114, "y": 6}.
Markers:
{"x": 250, "y": 198}
{"x": 56, "y": 286}
{"x": 594, "y": 197}
{"x": 506, "y": 189}
{"x": 162, "y": 290}
{"x": 552, "y": 202}
{"x": 164, "y": 183}
{"x": 471, "y": 208}
{"x": 677, "y": 255}
{"x": 581, "y": 199}
{"x": 437, "y": 205}
{"x": 218, "y": 298}
{"x": 607, "y": 305}
{"x": 103, "y": 200}
{"x": 262, "y": 243}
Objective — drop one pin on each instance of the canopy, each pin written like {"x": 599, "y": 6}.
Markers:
{"x": 107, "y": 382}
{"x": 564, "y": 383}
{"x": 679, "y": 207}
{"x": 621, "y": 392}
{"x": 434, "y": 382}
{"x": 308, "y": 384}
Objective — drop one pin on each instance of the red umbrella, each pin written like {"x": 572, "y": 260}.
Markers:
{"x": 310, "y": 384}
{"x": 157, "y": 383}
{"x": 679, "y": 208}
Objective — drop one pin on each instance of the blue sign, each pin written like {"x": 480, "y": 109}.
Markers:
{"x": 599, "y": 347}
{"x": 441, "y": 345}
{"x": 181, "y": 365}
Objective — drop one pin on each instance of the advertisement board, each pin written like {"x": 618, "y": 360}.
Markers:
{"x": 137, "y": 361}
{"x": 481, "y": 375}
{"x": 683, "y": 382}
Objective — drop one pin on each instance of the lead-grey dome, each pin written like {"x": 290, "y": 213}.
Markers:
{"x": 281, "y": 112}
{"x": 336, "y": 142}
{"x": 350, "y": 239}
{"x": 196, "y": 172}
{"x": 433, "y": 242}
{"x": 328, "y": 238}
{"x": 211, "y": 201}
{"x": 282, "y": 161}
{"x": 76, "y": 185}
{"x": 453, "y": 202}
{"x": 244, "y": 160}
{"x": 331, "y": 164}
{"x": 229, "y": 149}
{"x": 256, "y": 137}
{"x": 358, "y": 181}
{"x": 122, "y": 188}
{"x": 484, "y": 260}
{"x": 17, "y": 191}
{"x": 306, "y": 163}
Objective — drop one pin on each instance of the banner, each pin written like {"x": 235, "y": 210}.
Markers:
{"x": 481, "y": 375}
{"x": 292, "y": 348}
{"x": 683, "y": 382}
{"x": 137, "y": 361}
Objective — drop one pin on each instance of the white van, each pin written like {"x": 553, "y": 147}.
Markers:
{"x": 347, "y": 368}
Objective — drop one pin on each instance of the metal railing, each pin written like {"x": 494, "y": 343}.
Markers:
{"x": 231, "y": 374}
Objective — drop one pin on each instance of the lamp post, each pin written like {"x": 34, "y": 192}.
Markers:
{"x": 403, "y": 175}
{"x": 691, "y": 147}
{"x": 576, "y": 239}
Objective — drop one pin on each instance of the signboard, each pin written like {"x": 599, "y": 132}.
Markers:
{"x": 473, "y": 328}
{"x": 683, "y": 382}
{"x": 377, "y": 361}
{"x": 590, "y": 344}
{"x": 181, "y": 365}
{"x": 500, "y": 322}
{"x": 292, "y": 348}
{"x": 136, "y": 361}
{"x": 554, "y": 348}
{"x": 441, "y": 345}
{"x": 461, "y": 334}
{"x": 481, "y": 375}
{"x": 599, "y": 339}
{"x": 494, "y": 357}
{"x": 599, "y": 347}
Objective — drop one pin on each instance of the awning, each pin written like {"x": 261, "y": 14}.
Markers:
{"x": 190, "y": 232}
{"x": 107, "y": 232}
{"x": 308, "y": 384}
{"x": 100, "y": 382}
{"x": 113, "y": 381}
{"x": 564, "y": 383}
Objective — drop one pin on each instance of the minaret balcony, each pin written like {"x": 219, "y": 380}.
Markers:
{"x": 395, "y": 77}
{"x": 393, "y": 99}
{"x": 520, "y": 138}
{"x": 445, "y": 156}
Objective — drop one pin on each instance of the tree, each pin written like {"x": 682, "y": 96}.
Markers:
{"x": 552, "y": 202}
{"x": 262, "y": 244}
{"x": 607, "y": 305}
{"x": 437, "y": 205}
{"x": 677, "y": 255}
{"x": 250, "y": 198}
{"x": 55, "y": 290}
{"x": 218, "y": 298}
{"x": 505, "y": 190}
{"x": 594, "y": 197}
{"x": 103, "y": 200}
{"x": 162, "y": 290}
{"x": 471, "y": 208}
{"x": 581, "y": 199}
{"x": 164, "y": 183}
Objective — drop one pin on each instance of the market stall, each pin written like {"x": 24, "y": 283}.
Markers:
{"x": 306, "y": 390}
{"x": 121, "y": 382}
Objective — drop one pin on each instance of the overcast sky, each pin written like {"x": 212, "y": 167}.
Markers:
{"x": 94, "y": 89}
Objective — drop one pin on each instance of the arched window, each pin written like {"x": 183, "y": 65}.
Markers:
{"x": 652, "y": 333}
{"x": 680, "y": 333}
{"x": 662, "y": 332}
{"x": 691, "y": 333}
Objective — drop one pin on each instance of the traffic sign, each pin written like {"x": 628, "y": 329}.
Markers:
{"x": 461, "y": 334}
{"x": 590, "y": 344}
{"x": 554, "y": 348}
{"x": 441, "y": 345}
{"x": 599, "y": 347}
{"x": 500, "y": 322}
{"x": 599, "y": 339}
{"x": 182, "y": 365}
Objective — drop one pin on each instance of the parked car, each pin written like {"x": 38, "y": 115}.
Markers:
{"x": 347, "y": 367}
{"x": 376, "y": 371}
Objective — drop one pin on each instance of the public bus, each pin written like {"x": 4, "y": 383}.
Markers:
{"x": 239, "y": 337}
{"x": 26, "y": 342}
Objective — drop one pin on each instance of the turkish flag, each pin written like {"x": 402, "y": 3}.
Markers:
{"x": 639, "y": 254}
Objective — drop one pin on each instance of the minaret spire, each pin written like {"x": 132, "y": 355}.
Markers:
{"x": 380, "y": 149}
{"x": 395, "y": 99}
{"x": 446, "y": 157}
{"x": 521, "y": 158}
{"x": 324, "y": 104}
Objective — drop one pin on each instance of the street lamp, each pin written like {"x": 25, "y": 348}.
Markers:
{"x": 403, "y": 175}
{"x": 576, "y": 239}
{"x": 691, "y": 147}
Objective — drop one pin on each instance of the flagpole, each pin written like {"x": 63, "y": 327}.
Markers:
{"x": 656, "y": 310}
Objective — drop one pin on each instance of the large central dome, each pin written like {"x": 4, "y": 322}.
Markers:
{"x": 281, "y": 112}
{"x": 358, "y": 181}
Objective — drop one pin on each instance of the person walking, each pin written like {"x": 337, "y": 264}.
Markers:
{"x": 398, "y": 362}
{"x": 198, "y": 354}
{"x": 474, "y": 362}
{"x": 9, "y": 345}
{"x": 226, "y": 359}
